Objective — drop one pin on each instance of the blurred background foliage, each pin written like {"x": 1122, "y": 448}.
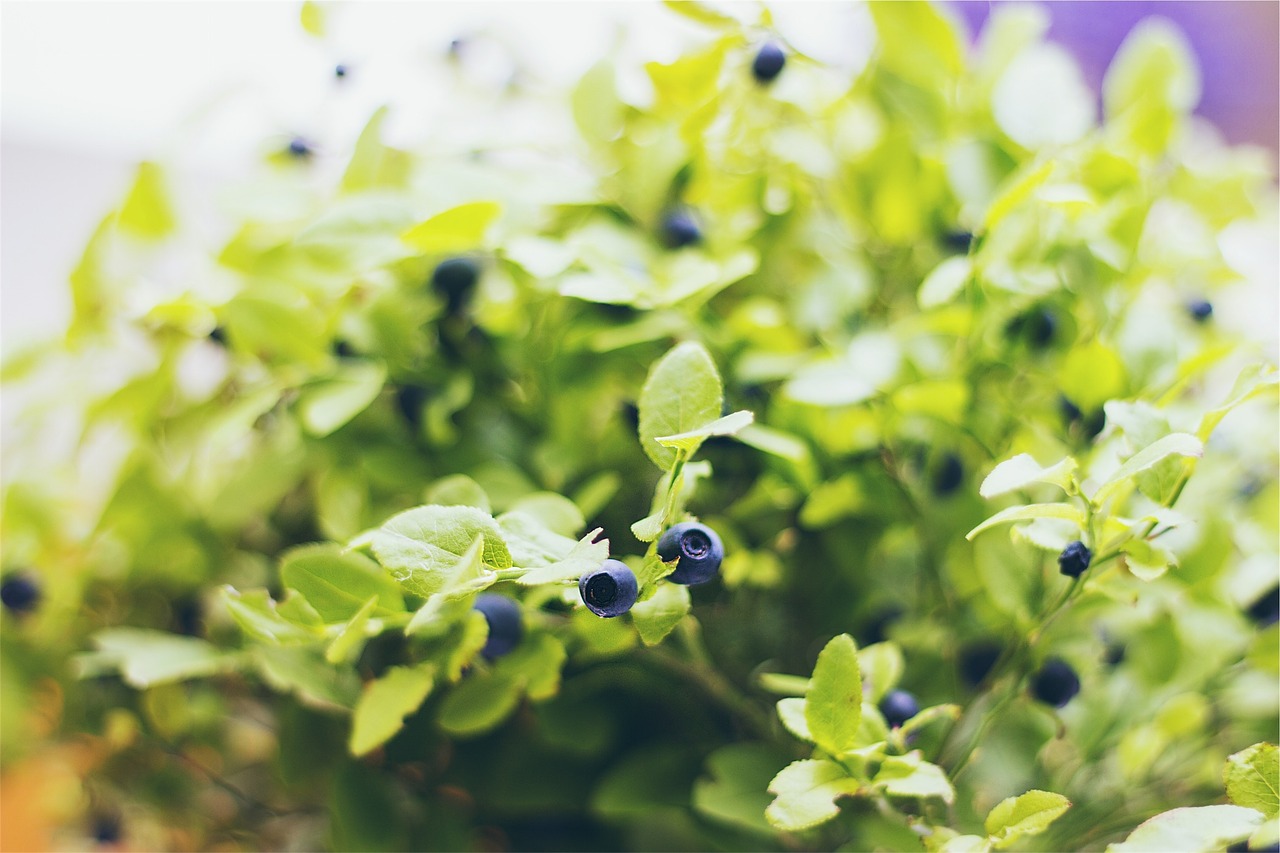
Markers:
{"x": 909, "y": 266}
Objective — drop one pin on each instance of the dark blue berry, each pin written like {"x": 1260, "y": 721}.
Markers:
{"x": 698, "y": 549}
{"x": 1037, "y": 327}
{"x": 958, "y": 241}
{"x": 106, "y": 829}
{"x": 610, "y": 590}
{"x": 409, "y": 400}
{"x": 343, "y": 349}
{"x": 679, "y": 230}
{"x": 1055, "y": 683}
{"x": 1074, "y": 559}
{"x": 300, "y": 148}
{"x": 977, "y": 660}
{"x": 1200, "y": 309}
{"x": 340, "y": 71}
{"x": 455, "y": 279}
{"x": 188, "y": 617}
{"x": 769, "y": 62}
{"x": 506, "y": 626}
{"x": 897, "y": 707}
{"x": 1089, "y": 425}
{"x": 631, "y": 415}
{"x": 218, "y": 336}
{"x": 1114, "y": 654}
{"x": 1266, "y": 610}
{"x": 20, "y": 592}
{"x": 948, "y": 476}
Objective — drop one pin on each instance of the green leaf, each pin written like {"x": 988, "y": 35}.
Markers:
{"x": 331, "y": 403}
{"x": 682, "y": 393}
{"x": 531, "y": 542}
{"x": 1146, "y": 561}
{"x": 457, "y": 490}
{"x": 650, "y": 527}
{"x": 1026, "y": 814}
{"x": 1196, "y": 828}
{"x": 659, "y": 615}
{"x": 1066, "y": 512}
{"x": 303, "y": 672}
{"x": 1151, "y": 83}
{"x": 384, "y": 704}
{"x": 1253, "y": 779}
{"x": 909, "y": 776}
{"x": 1023, "y": 470}
{"x": 347, "y": 644}
{"x": 259, "y": 617}
{"x": 736, "y": 792}
{"x": 337, "y": 583}
{"x": 833, "y": 705}
{"x": 806, "y": 793}
{"x": 535, "y": 664}
{"x": 145, "y": 658}
{"x": 467, "y": 575}
{"x": 966, "y": 844}
{"x": 1252, "y": 382}
{"x": 556, "y": 512}
{"x": 374, "y": 165}
{"x": 1042, "y": 99}
{"x": 791, "y": 711}
{"x": 918, "y": 43}
{"x": 1091, "y": 375}
{"x": 421, "y": 546}
{"x": 690, "y": 441}
{"x": 585, "y": 556}
{"x": 312, "y": 17}
{"x": 1174, "y": 444}
{"x": 357, "y": 234}
{"x": 1017, "y": 189}
{"x": 479, "y": 703}
{"x": 946, "y": 280}
{"x": 881, "y": 665}
{"x": 597, "y": 109}
{"x": 146, "y": 212}
{"x": 458, "y": 229}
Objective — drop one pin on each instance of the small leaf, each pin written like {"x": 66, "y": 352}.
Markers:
{"x": 1146, "y": 561}
{"x": 656, "y": 618}
{"x": 338, "y": 583}
{"x": 735, "y": 793}
{"x": 909, "y": 776}
{"x": 384, "y": 704}
{"x": 1253, "y": 779}
{"x": 946, "y": 280}
{"x": 1041, "y": 99}
{"x": 650, "y": 527}
{"x": 331, "y": 403}
{"x": 1178, "y": 443}
{"x": 791, "y": 712}
{"x": 806, "y": 794}
{"x": 1253, "y": 381}
{"x": 833, "y": 706}
{"x": 682, "y": 393}
{"x": 421, "y": 546}
{"x": 479, "y": 703}
{"x": 1066, "y": 512}
{"x": 260, "y": 617}
{"x": 302, "y": 671}
{"x": 1091, "y": 375}
{"x": 881, "y": 665}
{"x": 457, "y": 229}
{"x": 457, "y": 490}
{"x": 535, "y": 664}
{"x": 145, "y": 657}
{"x": 347, "y": 644}
{"x": 1021, "y": 471}
{"x": 584, "y": 557}
{"x": 147, "y": 212}
{"x": 312, "y": 18}
{"x": 690, "y": 441}
{"x": 1026, "y": 814}
{"x": 1194, "y": 828}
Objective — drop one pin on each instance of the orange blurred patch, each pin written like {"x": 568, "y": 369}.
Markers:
{"x": 41, "y": 793}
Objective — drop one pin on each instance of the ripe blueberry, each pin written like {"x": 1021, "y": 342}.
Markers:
{"x": 1037, "y": 327}
{"x": 948, "y": 476}
{"x": 698, "y": 549}
{"x": 1055, "y": 683}
{"x": 768, "y": 62}
{"x": 20, "y": 592}
{"x": 340, "y": 71}
{"x": 1090, "y": 425}
{"x": 300, "y": 148}
{"x": 218, "y": 336}
{"x": 958, "y": 241}
{"x": 610, "y": 590}
{"x": 680, "y": 230}
{"x": 343, "y": 349}
{"x": 409, "y": 400}
{"x": 1266, "y": 610}
{"x": 977, "y": 660}
{"x": 898, "y": 706}
{"x": 455, "y": 279}
{"x": 1074, "y": 559}
{"x": 1200, "y": 309}
{"x": 505, "y": 624}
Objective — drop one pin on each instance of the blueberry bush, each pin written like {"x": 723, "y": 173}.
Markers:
{"x": 791, "y": 458}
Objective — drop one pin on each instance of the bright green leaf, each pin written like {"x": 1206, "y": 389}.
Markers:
{"x": 1021, "y": 471}
{"x": 909, "y": 776}
{"x": 1026, "y": 814}
{"x": 147, "y": 212}
{"x": 457, "y": 229}
{"x": 421, "y": 546}
{"x": 658, "y": 616}
{"x": 682, "y": 393}
{"x": 329, "y": 404}
{"x": 944, "y": 282}
{"x": 1066, "y": 512}
{"x": 1194, "y": 828}
{"x": 806, "y": 793}
{"x": 1253, "y": 779}
{"x": 337, "y": 583}
{"x": 833, "y": 705}
{"x": 1175, "y": 444}
{"x": 384, "y": 704}
{"x": 347, "y": 644}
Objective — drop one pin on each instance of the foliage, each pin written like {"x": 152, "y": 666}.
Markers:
{"x": 303, "y": 450}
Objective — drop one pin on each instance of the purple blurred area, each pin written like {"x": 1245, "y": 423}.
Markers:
{"x": 1236, "y": 41}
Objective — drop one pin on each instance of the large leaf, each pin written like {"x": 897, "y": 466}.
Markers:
{"x": 385, "y": 703}
{"x": 833, "y": 705}
{"x": 421, "y": 546}
{"x": 1022, "y": 471}
{"x": 337, "y": 583}
{"x": 1195, "y": 828}
{"x": 682, "y": 394}
{"x": 1253, "y": 779}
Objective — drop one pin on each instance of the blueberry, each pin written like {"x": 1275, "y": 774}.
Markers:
{"x": 679, "y": 230}
{"x": 977, "y": 660}
{"x": 343, "y": 349}
{"x": 768, "y": 62}
{"x": 1055, "y": 683}
{"x": 948, "y": 476}
{"x": 1037, "y": 327}
{"x": 610, "y": 590}
{"x": 20, "y": 592}
{"x": 505, "y": 624}
{"x": 1114, "y": 654}
{"x": 1266, "y": 610}
{"x": 188, "y": 617}
{"x": 698, "y": 549}
{"x": 898, "y": 706}
{"x": 409, "y": 400}
{"x": 1200, "y": 309}
{"x": 455, "y": 279}
{"x": 1074, "y": 559}
{"x": 958, "y": 241}
{"x": 1090, "y": 425}
{"x": 631, "y": 415}
{"x": 340, "y": 71}
{"x": 106, "y": 829}
{"x": 218, "y": 336}
{"x": 300, "y": 148}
